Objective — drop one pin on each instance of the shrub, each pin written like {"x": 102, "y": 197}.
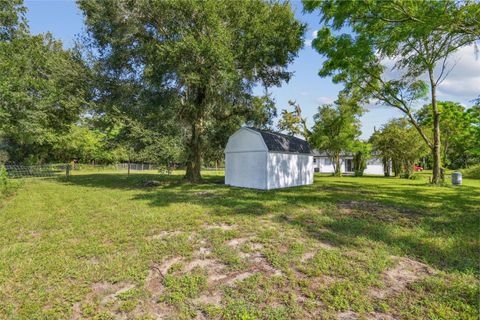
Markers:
{"x": 415, "y": 176}
{"x": 473, "y": 172}
{"x": 6, "y": 185}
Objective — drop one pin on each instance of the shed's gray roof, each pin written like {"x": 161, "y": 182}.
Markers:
{"x": 283, "y": 143}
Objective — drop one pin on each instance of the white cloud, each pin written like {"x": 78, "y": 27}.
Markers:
{"x": 324, "y": 100}
{"x": 462, "y": 83}
{"x": 308, "y": 42}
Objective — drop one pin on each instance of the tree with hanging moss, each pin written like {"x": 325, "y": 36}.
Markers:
{"x": 196, "y": 63}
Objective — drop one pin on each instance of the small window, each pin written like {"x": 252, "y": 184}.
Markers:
{"x": 328, "y": 162}
{"x": 314, "y": 160}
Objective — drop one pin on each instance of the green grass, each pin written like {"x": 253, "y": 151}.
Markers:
{"x": 88, "y": 247}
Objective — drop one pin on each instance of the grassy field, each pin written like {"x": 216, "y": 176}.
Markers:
{"x": 105, "y": 246}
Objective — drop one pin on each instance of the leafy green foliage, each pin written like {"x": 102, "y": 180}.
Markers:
{"x": 362, "y": 151}
{"x": 12, "y": 19}
{"x": 43, "y": 88}
{"x": 472, "y": 172}
{"x": 7, "y": 186}
{"x": 417, "y": 35}
{"x": 335, "y": 129}
{"x": 460, "y": 132}
{"x": 397, "y": 143}
{"x": 190, "y": 63}
{"x": 292, "y": 122}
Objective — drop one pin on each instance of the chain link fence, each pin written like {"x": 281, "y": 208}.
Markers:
{"x": 63, "y": 169}
{"x": 44, "y": 170}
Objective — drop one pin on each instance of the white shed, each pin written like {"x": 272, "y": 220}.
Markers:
{"x": 266, "y": 160}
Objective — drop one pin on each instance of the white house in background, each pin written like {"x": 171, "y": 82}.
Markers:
{"x": 322, "y": 163}
{"x": 266, "y": 160}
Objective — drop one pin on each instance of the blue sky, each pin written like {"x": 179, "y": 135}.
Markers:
{"x": 64, "y": 20}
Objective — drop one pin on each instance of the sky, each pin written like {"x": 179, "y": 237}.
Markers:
{"x": 65, "y": 21}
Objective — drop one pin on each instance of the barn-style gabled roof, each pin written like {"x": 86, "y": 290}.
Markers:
{"x": 283, "y": 143}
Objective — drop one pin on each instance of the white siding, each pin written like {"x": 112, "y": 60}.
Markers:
{"x": 246, "y": 169}
{"x": 249, "y": 164}
{"x": 374, "y": 166}
{"x": 289, "y": 169}
{"x": 325, "y": 165}
{"x": 245, "y": 140}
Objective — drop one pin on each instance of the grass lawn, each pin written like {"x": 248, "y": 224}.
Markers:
{"x": 102, "y": 246}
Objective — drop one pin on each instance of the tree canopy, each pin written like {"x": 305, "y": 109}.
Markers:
{"x": 192, "y": 62}
{"x": 460, "y": 132}
{"x": 336, "y": 129}
{"x": 293, "y": 122}
{"x": 397, "y": 144}
{"x": 43, "y": 88}
{"x": 358, "y": 37}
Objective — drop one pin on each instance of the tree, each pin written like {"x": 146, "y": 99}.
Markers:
{"x": 457, "y": 127}
{"x": 397, "y": 143}
{"x": 292, "y": 122}
{"x": 419, "y": 36}
{"x": 335, "y": 129}
{"x": 194, "y": 62}
{"x": 43, "y": 88}
{"x": 12, "y": 19}
{"x": 361, "y": 153}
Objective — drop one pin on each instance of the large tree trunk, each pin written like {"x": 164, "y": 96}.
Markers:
{"x": 194, "y": 159}
{"x": 194, "y": 152}
{"x": 338, "y": 166}
{"x": 436, "y": 150}
{"x": 386, "y": 167}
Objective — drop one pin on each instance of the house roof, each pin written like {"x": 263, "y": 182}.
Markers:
{"x": 283, "y": 143}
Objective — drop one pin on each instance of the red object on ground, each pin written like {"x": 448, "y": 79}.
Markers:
{"x": 417, "y": 168}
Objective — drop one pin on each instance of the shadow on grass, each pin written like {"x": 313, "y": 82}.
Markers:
{"x": 437, "y": 225}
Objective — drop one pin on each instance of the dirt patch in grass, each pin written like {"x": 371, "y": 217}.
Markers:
{"x": 76, "y": 311}
{"x": 163, "y": 235}
{"x": 204, "y": 194}
{"x": 350, "y": 315}
{"x": 259, "y": 263}
{"x": 215, "y": 270}
{"x": 238, "y": 277}
{"x": 214, "y": 298}
{"x": 307, "y": 256}
{"x": 157, "y": 310}
{"x": 398, "y": 278}
{"x": 325, "y": 245}
{"x": 222, "y": 226}
{"x": 203, "y": 252}
{"x": 153, "y": 282}
{"x": 167, "y": 264}
{"x": 237, "y": 242}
